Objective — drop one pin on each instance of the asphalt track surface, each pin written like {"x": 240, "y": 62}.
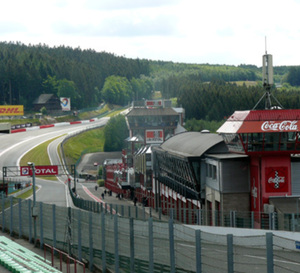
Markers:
{"x": 14, "y": 146}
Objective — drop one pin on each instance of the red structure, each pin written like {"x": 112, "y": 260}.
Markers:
{"x": 115, "y": 175}
{"x": 268, "y": 137}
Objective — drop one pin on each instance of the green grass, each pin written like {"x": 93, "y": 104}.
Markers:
{"x": 34, "y": 121}
{"x": 116, "y": 112}
{"x": 247, "y": 83}
{"x": 27, "y": 194}
{"x": 92, "y": 114}
{"x": 39, "y": 155}
{"x": 90, "y": 141}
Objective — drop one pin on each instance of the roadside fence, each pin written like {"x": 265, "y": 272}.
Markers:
{"x": 251, "y": 220}
{"x": 107, "y": 241}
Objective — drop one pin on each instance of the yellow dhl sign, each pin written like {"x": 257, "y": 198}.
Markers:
{"x": 11, "y": 110}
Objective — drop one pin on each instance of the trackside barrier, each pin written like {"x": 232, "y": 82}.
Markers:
{"x": 63, "y": 257}
{"x": 268, "y": 221}
{"x": 109, "y": 242}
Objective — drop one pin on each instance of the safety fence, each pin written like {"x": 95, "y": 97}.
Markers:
{"x": 110, "y": 242}
{"x": 270, "y": 221}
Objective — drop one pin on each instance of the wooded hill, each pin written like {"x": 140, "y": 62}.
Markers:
{"x": 208, "y": 92}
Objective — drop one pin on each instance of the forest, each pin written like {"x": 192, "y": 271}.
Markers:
{"x": 207, "y": 92}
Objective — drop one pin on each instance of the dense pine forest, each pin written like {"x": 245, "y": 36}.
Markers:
{"x": 207, "y": 92}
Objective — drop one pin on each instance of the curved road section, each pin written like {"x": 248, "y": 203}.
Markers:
{"x": 14, "y": 146}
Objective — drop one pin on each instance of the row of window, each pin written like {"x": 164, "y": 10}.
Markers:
{"x": 252, "y": 142}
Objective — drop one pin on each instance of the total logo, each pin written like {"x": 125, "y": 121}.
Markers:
{"x": 25, "y": 171}
{"x": 64, "y": 102}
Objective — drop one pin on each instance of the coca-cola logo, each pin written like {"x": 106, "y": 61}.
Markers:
{"x": 286, "y": 125}
{"x": 276, "y": 180}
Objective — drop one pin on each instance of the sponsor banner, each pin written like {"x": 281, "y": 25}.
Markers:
{"x": 270, "y": 126}
{"x": 154, "y": 136}
{"x": 153, "y": 103}
{"x": 11, "y": 110}
{"x": 65, "y": 104}
{"x": 276, "y": 179}
{"x": 39, "y": 170}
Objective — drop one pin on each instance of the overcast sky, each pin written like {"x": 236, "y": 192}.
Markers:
{"x": 228, "y": 32}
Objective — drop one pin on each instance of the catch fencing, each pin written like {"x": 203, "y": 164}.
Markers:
{"x": 114, "y": 243}
{"x": 236, "y": 219}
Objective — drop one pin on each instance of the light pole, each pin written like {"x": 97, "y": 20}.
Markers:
{"x": 34, "y": 208}
{"x": 297, "y": 201}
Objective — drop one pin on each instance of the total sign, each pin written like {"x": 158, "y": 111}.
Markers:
{"x": 39, "y": 170}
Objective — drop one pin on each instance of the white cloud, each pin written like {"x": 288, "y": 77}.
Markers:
{"x": 194, "y": 31}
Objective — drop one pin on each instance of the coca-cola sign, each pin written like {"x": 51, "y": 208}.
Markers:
{"x": 276, "y": 179}
{"x": 286, "y": 125}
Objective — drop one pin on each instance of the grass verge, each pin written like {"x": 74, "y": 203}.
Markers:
{"x": 27, "y": 194}
{"x": 87, "y": 142}
{"x": 39, "y": 155}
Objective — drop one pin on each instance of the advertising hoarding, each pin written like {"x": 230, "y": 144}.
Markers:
{"x": 65, "y": 104}
{"x": 11, "y": 110}
{"x": 39, "y": 170}
{"x": 154, "y": 136}
{"x": 154, "y": 103}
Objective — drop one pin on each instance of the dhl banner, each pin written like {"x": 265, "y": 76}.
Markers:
{"x": 11, "y": 110}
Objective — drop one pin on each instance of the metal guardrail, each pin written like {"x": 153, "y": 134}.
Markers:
{"x": 63, "y": 257}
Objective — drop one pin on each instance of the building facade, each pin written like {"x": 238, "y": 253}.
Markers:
{"x": 271, "y": 140}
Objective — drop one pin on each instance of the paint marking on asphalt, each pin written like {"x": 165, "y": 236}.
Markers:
{"x": 96, "y": 198}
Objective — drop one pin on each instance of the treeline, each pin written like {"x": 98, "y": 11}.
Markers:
{"x": 90, "y": 78}
{"x": 217, "y": 100}
{"x": 27, "y": 71}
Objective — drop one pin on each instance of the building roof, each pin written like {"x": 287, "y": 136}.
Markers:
{"x": 259, "y": 121}
{"x": 193, "y": 144}
{"x": 152, "y": 112}
{"x": 43, "y": 98}
{"x": 227, "y": 156}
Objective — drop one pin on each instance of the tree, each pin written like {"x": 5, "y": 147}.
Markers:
{"x": 66, "y": 88}
{"x": 50, "y": 85}
{"x": 115, "y": 133}
{"x": 117, "y": 90}
{"x": 43, "y": 110}
{"x": 293, "y": 77}
{"x": 142, "y": 88}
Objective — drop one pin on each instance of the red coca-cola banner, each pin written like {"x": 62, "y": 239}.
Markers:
{"x": 269, "y": 126}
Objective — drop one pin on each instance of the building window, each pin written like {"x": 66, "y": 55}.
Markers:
{"x": 214, "y": 172}
{"x": 211, "y": 171}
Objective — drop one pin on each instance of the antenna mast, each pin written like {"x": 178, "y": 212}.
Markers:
{"x": 267, "y": 74}
{"x": 267, "y": 78}
{"x": 266, "y": 44}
